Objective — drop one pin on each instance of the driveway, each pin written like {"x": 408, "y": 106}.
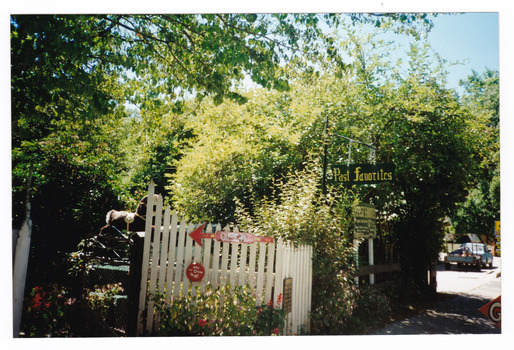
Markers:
{"x": 461, "y": 292}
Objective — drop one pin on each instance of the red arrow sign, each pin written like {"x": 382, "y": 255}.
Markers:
{"x": 197, "y": 235}
{"x": 241, "y": 237}
{"x": 223, "y": 236}
{"x": 493, "y": 311}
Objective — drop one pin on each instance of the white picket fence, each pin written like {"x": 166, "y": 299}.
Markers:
{"x": 263, "y": 266}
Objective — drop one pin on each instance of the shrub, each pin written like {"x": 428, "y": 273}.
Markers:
{"x": 44, "y": 312}
{"x": 299, "y": 213}
{"x": 101, "y": 300}
{"x": 224, "y": 310}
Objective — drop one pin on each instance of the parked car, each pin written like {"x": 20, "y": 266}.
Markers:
{"x": 472, "y": 254}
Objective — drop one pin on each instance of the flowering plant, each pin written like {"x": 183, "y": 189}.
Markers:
{"x": 225, "y": 310}
{"x": 44, "y": 312}
{"x": 270, "y": 319}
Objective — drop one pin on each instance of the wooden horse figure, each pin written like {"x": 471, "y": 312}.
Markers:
{"x": 117, "y": 221}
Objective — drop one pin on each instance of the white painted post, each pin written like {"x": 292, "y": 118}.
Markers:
{"x": 252, "y": 281}
{"x": 155, "y": 263}
{"x": 242, "y": 265}
{"x": 21, "y": 260}
{"x": 146, "y": 257}
{"x": 207, "y": 259}
{"x": 279, "y": 284}
{"x": 170, "y": 277}
{"x": 161, "y": 278}
{"x": 269, "y": 273}
{"x": 371, "y": 261}
{"x": 233, "y": 277}
{"x": 179, "y": 268}
{"x": 224, "y": 273}
{"x": 188, "y": 259}
{"x": 260, "y": 273}
{"x": 216, "y": 260}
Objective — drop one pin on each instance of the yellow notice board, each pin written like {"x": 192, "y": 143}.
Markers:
{"x": 497, "y": 243}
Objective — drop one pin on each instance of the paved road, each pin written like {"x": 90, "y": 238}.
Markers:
{"x": 464, "y": 291}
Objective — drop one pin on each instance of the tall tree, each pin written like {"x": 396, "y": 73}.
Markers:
{"x": 413, "y": 121}
{"x": 482, "y": 206}
{"x": 72, "y": 76}
{"x": 409, "y": 117}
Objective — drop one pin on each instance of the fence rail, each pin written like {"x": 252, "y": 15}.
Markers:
{"x": 263, "y": 266}
{"x": 374, "y": 270}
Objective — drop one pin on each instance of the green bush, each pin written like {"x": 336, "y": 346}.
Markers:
{"x": 44, "y": 313}
{"x": 101, "y": 300}
{"x": 225, "y": 310}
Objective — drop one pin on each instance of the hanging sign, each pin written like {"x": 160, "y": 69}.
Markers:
{"x": 365, "y": 221}
{"x": 493, "y": 311}
{"x": 224, "y": 236}
{"x": 195, "y": 272}
{"x": 363, "y": 173}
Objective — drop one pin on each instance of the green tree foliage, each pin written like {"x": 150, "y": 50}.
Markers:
{"x": 406, "y": 113}
{"x": 239, "y": 150}
{"x": 71, "y": 77}
{"x": 482, "y": 206}
{"x": 420, "y": 126}
{"x": 64, "y": 130}
{"x": 205, "y": 54}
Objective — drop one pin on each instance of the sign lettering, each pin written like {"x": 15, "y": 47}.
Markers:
{"x": 195, "y": 272}
{"x": 223, "y": 236}
{"x": 365, "y": 221}
{"x": 362, "y": 174}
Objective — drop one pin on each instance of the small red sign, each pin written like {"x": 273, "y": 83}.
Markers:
{"x": 195, "y": 272}
{"x": 493, "y": 311}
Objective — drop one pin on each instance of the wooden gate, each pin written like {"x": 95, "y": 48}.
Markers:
{"x": 263, "y": 266}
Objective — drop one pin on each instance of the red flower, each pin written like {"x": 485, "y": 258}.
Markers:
{"x": 202, "y": 322}
{"x": 279, "y": 299}
{"x": 276, "y": 331}
{"x": 270, "y": 302}
{"x": 39, "y": 302}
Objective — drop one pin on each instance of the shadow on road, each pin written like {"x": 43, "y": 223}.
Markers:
{"x": 455, "y": 314}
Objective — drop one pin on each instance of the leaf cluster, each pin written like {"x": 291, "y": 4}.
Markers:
{"x": 224, "y": 310}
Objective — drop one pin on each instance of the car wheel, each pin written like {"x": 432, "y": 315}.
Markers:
{"x": 479, "y": 266}
{"x": 491, "y": 264}
{"x": 447, "y": 266}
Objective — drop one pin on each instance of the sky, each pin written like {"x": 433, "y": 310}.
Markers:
{"x": 473, "y": 37}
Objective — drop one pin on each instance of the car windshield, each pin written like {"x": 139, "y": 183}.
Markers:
{"x": 474, "y": 247}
